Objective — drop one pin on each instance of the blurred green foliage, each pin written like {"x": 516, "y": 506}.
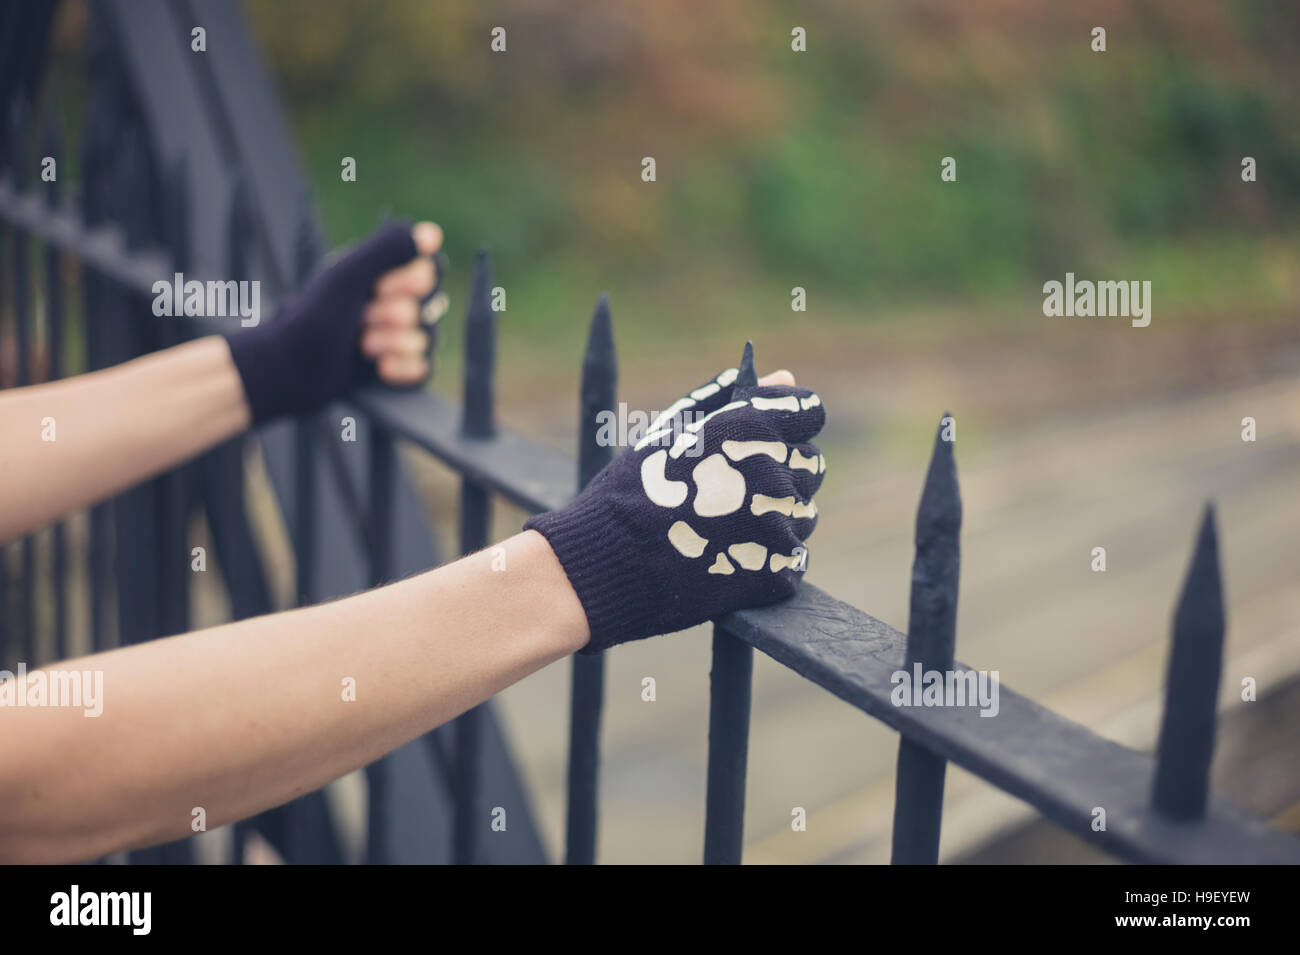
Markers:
{"x": 818, "y": 169}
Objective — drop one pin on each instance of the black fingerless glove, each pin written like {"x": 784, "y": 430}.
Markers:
{"x": 309, "y": 354}
{"x": 708, "y": 513}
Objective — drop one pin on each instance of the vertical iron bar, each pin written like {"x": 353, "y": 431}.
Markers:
{"x": 162, "y": 220}
{"x": 382, "y": 471}
{"x": 235, "y": 259}
{"x": 480, "y": 354}
{"x": 305, "y": 451}
{"x": 137, "y": 556}
{"x": 598, "y": 393}
{"x": 25, "y": 619}
{"x": 99, "y": 304}
{"x": 4, "y": 571}
{"x": 137, "y": 545}
{"x": 383, "y": 460}
{"x": 303, "y": 830}
{"x": 54, "y": 371}
{"x": 11, "y": 159}
{"x": 931, "y": 643}
{"x": 474, "y": 517}
{"x": 730, "y": 688}
{"x": 479, "y": 421}
{"x": 1186, "y": 746}
{"x": 172, "y": 500}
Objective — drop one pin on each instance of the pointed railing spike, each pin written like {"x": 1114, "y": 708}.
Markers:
{"x": 746, "y": 377}
{"x": 933, "y": 617}
{"x": 598, "y": 389}
{"x": 931, "y": 643}
{"x": 1186, "y": 744}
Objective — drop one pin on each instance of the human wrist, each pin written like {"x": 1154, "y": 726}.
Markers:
{"x": 567, "y": 618}
{"x": 590, "y": 543}
{"x": 236, "y": 400}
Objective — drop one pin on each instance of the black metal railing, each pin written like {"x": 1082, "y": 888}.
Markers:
{"x": 151, "y": 167}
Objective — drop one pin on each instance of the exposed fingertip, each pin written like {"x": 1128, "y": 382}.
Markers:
{"x": 779, "y": 377}
{"x": 427, "y": 236}
{"x": 402, "y": 370}
{"x": 369, "y": 344}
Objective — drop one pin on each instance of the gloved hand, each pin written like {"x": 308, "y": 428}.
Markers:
{"x": 310, "y": 352}
{"x": 706, "y": 514}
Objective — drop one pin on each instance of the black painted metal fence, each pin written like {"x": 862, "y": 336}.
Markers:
{"x": 133, "y": 221}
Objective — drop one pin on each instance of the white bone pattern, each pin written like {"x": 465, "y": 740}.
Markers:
{"x": 657, "y": 427}
{"x": 720, "y": 488}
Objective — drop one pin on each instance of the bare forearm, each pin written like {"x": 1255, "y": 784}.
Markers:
{"x": 71, "y": 443}
{"x": 247, "y": 716}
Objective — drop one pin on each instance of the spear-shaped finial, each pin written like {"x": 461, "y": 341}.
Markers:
{"x": 598, "y": 392}
{"x": 1186, "y": 745}
{"x": 931, "y": 628}
{"x": 746, "y": 377}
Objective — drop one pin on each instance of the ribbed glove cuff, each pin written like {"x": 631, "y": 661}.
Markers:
{"x": 592, "y": 544}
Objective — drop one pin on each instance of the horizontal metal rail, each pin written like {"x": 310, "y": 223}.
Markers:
{"x": 103, "y": 248}
{"x": 1062, "y": 769}
{"x": 532, "y": 475}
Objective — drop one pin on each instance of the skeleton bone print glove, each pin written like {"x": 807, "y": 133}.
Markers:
{"x": 706, "y": 514}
